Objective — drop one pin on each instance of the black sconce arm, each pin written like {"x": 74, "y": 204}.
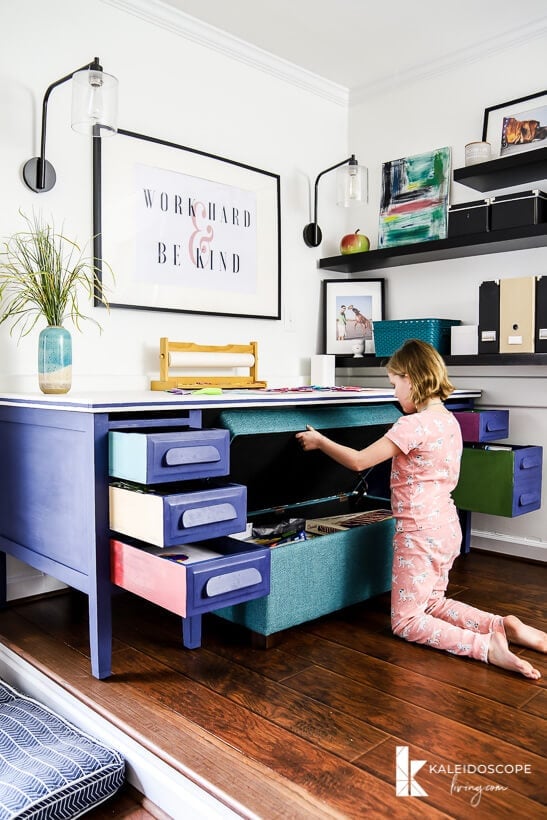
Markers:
{"x": 34, "y": 171}
{"x": 312, "y": 232}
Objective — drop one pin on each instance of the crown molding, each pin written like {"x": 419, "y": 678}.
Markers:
{"x": 451, "y": 61}
{"x": 160, "y": 14}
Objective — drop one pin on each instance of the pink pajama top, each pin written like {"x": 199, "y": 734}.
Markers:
{"x": 426, "y": 471}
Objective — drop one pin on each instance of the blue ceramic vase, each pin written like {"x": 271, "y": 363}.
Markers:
{"x": 55, "y": 360}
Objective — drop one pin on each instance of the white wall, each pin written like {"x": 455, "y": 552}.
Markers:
{"x": 446, "y": 109}
{"x": 176, "y": 89}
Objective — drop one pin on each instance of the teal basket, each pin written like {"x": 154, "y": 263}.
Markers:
{"x": 389, "y": 336}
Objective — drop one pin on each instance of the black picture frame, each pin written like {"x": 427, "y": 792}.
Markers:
{"x": 158, "y": 240}
{"x": 522, "y": 109}
{"x": 363, "y": 301}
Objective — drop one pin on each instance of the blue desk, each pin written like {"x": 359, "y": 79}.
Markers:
{"x": 54, "y": 482}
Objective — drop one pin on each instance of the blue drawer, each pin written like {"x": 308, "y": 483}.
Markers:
{"x": 505, "y": 480}
{"x": 483, "y": 425}
{"x": 208, "y": 575}
{"x": 155, "y": 458}
{"x": 167, "y": 517}
{"x": 229, "y": 580}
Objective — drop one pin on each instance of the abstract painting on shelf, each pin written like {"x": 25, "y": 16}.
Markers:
{"x": 413, "y": 207}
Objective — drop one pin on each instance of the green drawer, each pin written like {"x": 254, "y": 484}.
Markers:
{"x": 503, "y": 481}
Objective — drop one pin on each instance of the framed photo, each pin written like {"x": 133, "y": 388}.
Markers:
{"x": 516, "y": 126}
{"x": 183, "y": 230}
{"x": 350, "y": 308}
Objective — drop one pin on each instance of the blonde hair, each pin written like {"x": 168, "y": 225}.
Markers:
{"x": 425, "y": 369}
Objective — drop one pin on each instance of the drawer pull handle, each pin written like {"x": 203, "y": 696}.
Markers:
{"x": 493, "y": 426}
{"x": 528, "y": 498}
{"x": 208, "y": 515}
{"x": 529, "y": 462}
{"x": 177, "y": 456}
{"x": 221, "y": 584}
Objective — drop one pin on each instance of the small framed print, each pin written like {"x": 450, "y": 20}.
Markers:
{"x": 516, "y": 126}
{"x": 350, "y": 308}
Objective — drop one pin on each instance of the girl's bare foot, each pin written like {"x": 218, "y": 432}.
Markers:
{"x": 499, "y": 654}
{"x": 524, "y": 635}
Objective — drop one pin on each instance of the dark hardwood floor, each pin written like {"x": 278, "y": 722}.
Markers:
{"x": 309, "y": 728}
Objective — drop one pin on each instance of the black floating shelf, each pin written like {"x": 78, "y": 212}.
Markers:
{"x": 505, "y": 172}
{"x": 509, "y": 239}
{"x": 481, "y": 360}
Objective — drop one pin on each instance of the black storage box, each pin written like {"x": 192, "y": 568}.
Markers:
{"x": 469, "y": 217}
{"x": 514, "y": 210}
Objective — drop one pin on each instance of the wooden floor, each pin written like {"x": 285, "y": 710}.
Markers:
{"x": 309, "y": 729}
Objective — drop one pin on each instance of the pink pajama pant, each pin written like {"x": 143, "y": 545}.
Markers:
{"x": 419, "y": 610}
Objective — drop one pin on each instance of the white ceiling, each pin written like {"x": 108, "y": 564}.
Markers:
{"x": 360, "y": 44}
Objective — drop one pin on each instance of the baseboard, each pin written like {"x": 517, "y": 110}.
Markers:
{"x": 509, "y": 545}
{"x": 25, "y": 582}
{"x": 162, "y": 785}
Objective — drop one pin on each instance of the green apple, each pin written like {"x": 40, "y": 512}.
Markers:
{"x": 354, "y": 243}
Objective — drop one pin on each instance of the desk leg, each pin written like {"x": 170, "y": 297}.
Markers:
{"x": 191, "y": 632}
{"x": 465, "y": 523}
{"x": 100, "y": 631}
{"x": 100, "y": 586}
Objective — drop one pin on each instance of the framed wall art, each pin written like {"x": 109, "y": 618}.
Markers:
{"x": 184, "y": 230}
{"x": 413, "y": 205}
{"x": 516, "y": 126}
{"x": 350, "y": 308}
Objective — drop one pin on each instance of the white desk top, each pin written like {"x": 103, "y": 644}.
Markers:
{"x": 135, "y": 400}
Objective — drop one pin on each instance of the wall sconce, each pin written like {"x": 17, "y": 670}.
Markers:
{"x": 351, "y": 187}
{"x": 94, "y": 112}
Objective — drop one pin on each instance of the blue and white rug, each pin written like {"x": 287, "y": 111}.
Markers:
{"x": 49, "y": 769}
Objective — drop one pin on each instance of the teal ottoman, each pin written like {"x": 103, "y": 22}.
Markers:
{"x": 312, "y": 578}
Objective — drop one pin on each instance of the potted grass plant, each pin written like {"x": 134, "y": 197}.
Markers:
{"x": 43, "y": 274}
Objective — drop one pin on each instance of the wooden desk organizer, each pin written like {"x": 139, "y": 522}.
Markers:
{"x": 190, "y": 356}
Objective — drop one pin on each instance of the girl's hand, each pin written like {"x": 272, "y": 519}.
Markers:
{"x": 309, "y": 440}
